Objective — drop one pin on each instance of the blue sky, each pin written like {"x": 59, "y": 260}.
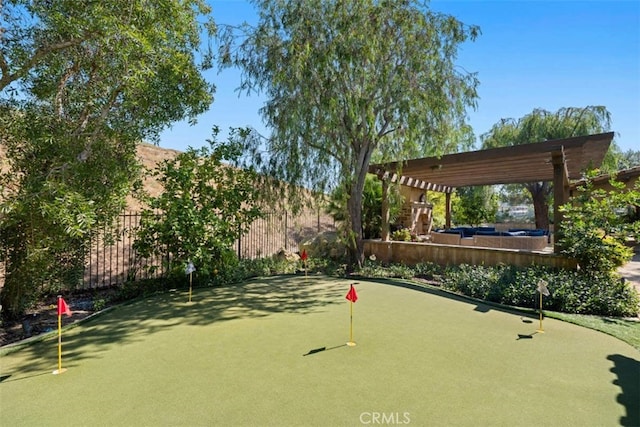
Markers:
{"x": 531, "y": 54}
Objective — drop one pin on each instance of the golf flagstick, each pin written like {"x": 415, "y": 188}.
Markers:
{"x": 303, "y": 257}
{"x": 542, "y": 290}
{"x": 189, "y": 270}
{"x": 62, "y": 308}
{"x": 352, "y": 296}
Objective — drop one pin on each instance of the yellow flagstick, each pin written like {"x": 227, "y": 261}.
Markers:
{"x": 352, "y": 296}
{"x": 351, "y": 342}
{"x": 190, "y": 281}
{"x": 59, "y": 370}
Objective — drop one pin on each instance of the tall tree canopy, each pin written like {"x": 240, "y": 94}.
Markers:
{"x": 345, "y": 79}
{"x": 542, "y": 125}
{"x": 81, "y": 84}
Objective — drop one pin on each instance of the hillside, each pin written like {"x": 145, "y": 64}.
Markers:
{"x": 149, "y": 155}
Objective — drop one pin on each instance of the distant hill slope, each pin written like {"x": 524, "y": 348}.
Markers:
{"x": 149, "y": 155}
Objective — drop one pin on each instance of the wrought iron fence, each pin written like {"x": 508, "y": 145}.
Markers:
{"x": 110, "y": 258}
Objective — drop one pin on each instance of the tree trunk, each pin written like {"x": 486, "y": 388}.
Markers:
{"x": 356, "y": 245}
{"x": 13, "y": 291}
{"x": 360, "y": 166}
{"x": 11, "y": 297}
{"x": 539, "y": 193}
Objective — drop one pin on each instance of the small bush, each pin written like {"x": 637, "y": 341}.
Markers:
{"x": 471, "y": 280}
{"x": 427, "y": 270}
{"x": 402, "y": 235}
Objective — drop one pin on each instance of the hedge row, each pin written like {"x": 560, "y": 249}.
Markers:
{"x": 576, "y": 292}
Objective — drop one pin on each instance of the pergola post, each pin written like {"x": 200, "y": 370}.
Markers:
{"x": 384, "y": 234}
{"x": 560, "y": 193}
{"x": 447, "y": 215}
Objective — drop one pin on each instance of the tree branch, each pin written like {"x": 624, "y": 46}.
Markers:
{"x": 8, "y": 77}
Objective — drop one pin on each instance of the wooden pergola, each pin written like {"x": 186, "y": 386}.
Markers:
{"x": 559, "y": 161}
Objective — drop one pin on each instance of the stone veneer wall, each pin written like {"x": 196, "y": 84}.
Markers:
{"x": 412, "y": 253}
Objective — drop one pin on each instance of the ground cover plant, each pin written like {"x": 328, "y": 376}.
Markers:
{"x": 272, "y": 352}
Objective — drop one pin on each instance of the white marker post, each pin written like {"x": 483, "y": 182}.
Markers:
{"x": 542, "y": 290}
{"x": 189, "y": 270}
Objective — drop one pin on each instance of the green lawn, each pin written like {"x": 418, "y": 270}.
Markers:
{"x": 272, "y": 352}
{"x": 625, "y": 329}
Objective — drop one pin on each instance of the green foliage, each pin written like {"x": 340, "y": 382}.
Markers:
{"x": 571, "y": 292}
{"x": 438, "y": 200}
{"x": 594, "y": 230}
{"x": 475, "y": 206}
{"x": 204, "y": 208}
{"x": 371, "y": 206}
{"x": 402, "y": 235}
{"x": 629, "y": 159}
{"x": 576, "y": 292}
{"x": 81, "y": 86}
{"x": 426, "y": 270}
{"x": 327, "y": 245}
{"x": 345, "y": 80}
{"x": 616, "y": 160}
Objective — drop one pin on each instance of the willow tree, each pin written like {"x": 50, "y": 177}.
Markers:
{"x": 344, "y": 79}
{"x": 81, "y": 85}
{"x": 542, "y": 125}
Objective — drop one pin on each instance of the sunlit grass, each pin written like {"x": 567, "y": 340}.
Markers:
{"x": 627, "y": 330}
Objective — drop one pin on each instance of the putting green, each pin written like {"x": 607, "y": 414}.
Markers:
{"x": 272, "y": 352}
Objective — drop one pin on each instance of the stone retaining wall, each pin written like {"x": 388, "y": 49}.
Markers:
{"x": 412, "y": 253}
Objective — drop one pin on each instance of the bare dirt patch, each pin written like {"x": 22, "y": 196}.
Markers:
{"x": 43, "y": 318}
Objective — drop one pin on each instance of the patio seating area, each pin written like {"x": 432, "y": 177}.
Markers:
{"x": 489, "y": 237}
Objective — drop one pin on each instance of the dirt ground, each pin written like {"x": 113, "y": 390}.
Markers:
{"x": 44, "y": 318}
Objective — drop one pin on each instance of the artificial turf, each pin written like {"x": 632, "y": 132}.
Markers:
{"x": 272, "y": 352}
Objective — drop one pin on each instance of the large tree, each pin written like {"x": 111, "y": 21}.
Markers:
{"x": 543, "y": 125}
{"x": 345, "y": 79}
{"x": 82, "y": 84}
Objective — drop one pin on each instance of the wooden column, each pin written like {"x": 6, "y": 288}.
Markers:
{"x": 384, "y": 234}
{"x": 447, "y": 220}
{"x": 560, "y": 193}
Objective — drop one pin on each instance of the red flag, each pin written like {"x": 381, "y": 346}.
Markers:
{"x": 63, "y": 307}
{"x": 303, "y": 256}
{"x": 352, "y": 295}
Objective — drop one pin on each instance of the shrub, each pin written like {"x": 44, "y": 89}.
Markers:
{"x": 402, "y": 235}
{"x": 427, "y": 270}
{"x": 604, "y": 294}
{"x": 471, "y": 280}
{"x": 593, "y": 232}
